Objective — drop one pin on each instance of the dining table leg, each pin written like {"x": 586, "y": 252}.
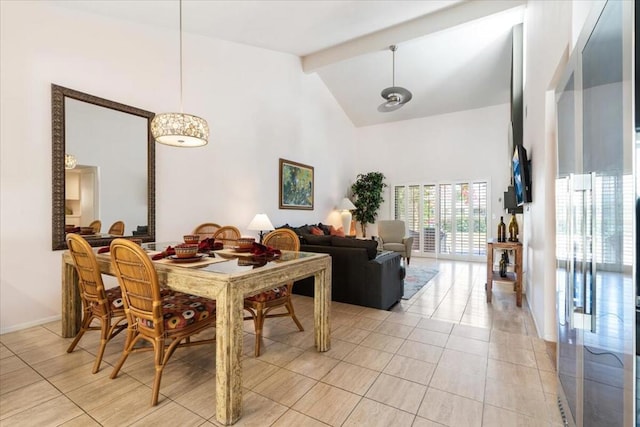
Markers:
{"x": 229, "y": 312}
{"x": 71, "y": 303}
{"x": 322, "y": 308}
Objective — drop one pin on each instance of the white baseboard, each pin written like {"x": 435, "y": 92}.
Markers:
{"x": 27, "y": 325}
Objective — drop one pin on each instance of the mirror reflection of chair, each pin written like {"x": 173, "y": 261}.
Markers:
{"x": 163, "y": 318}
{"x": 228, "y": 235}
{"x": 391, "y": 234}
{"x": 117, "y": 229}
{"x": 98, "y": 303}
{"x": 206, "y": 230}
{"x": 96, "y": 225}
{"x": 260, "y": 305}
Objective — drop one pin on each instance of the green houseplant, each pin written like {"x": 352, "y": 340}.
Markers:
{"x": 367, "y": 191}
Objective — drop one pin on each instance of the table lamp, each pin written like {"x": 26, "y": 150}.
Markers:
{"x": 260, "y": 222}
{"x": 345, "y": 207}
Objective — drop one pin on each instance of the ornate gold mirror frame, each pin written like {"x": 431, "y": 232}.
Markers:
{"x": 58, "y": 95}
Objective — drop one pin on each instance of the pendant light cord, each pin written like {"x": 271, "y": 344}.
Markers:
{"x": 181, "y": 110}
{"x": 393, "y": 64}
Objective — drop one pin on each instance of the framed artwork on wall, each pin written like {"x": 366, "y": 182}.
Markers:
{"x": 296, "y": 185}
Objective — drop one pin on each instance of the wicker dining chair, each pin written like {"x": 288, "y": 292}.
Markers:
{"x": 260, "y": 305}
{"x": 206, "y": 230}
{"x": 228, "y": 235}
{"x": 117, "y": 229}
{"x": 98, "y": 303}
{"x": 96, "y": 225}
{"x": 163, "y": 318}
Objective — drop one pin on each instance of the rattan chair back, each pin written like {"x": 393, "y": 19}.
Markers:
{"x": 139, "y": 283}
{"x": 260, "y": 305}
{"x": 283, "y": 239}
{"x": 117, "y": 229}
{"x": 96, "y": 225}
{"x": 95, "y": 302}
{"x": 228, "y": 235}
{"x": 144, "y": 301}
{"x": 206, "y": 230}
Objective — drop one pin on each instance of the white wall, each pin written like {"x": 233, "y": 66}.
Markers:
{"x": 466, "y": 145}
{"x": 550, "y": 33}
{"x": 259, "y": 104}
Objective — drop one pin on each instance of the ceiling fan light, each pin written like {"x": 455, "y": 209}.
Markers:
{"x": 180, "y": 130}
{"x": 393, "y": 100}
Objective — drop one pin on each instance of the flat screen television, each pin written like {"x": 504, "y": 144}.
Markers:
{"x": 521, "y": 175}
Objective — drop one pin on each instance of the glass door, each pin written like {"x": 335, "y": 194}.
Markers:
{"x": 607, "y": 144}
{"x": 567, "y": 250}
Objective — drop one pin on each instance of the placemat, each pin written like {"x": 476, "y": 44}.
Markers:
{"x": 231, "y": 253}
{"x": 205, "y": 261}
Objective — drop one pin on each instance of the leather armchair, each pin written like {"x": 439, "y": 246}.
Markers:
{"x": 391, "y": 235}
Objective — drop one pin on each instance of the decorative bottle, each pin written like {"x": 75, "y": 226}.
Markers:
{"x": 504, "y": 261}
{"x": 502, "y": 231}
{"x": 513, "y": 229}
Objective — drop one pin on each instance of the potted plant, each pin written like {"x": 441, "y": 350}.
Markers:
{"x": 367, "y": 191}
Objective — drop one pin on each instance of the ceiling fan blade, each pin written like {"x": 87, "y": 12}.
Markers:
{"x": 386, "y": 108}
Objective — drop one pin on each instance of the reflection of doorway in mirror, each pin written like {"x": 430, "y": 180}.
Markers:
{"x": 82, "y": 201}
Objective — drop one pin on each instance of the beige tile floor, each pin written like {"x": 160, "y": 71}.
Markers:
{"x": 445, "y": 357}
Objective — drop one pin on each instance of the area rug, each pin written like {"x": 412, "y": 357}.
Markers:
{"x": 416, "y": 278}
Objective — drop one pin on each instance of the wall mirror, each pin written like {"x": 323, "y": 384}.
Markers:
{"x": 103, "y": 163}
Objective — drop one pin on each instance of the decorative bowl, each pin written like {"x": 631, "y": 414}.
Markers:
{"x": 86, "y": 230}
{"x": 186, "y": 250}
{"x": 245, "y": 243}
{"x": 191, "y": 238}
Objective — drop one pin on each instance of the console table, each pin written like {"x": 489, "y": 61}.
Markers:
{"x": 514, "y": 277}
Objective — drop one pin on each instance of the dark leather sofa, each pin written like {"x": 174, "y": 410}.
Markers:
{"x": 359, "y": 273}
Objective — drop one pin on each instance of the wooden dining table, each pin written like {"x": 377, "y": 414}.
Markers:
{"x": 228, "y": 280}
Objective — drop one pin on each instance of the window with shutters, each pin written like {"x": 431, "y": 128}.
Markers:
{"x": 429, "y": 219}
{"x": 479, "y": 218}
{"x": 445, "y": 219}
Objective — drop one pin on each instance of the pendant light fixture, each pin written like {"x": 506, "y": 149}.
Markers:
{"x": 70, "y": 161}
{"x": 395, "y": 96}
{"x": 180, "y": 129}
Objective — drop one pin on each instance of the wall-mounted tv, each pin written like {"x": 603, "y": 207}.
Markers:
{"x": 521, "y": 175}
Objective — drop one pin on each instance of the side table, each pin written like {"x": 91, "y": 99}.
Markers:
{"x": 514, "y": 277}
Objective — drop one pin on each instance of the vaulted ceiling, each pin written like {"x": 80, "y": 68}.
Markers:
{"x": 452, "y": 55}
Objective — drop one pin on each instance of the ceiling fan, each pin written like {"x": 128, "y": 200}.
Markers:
{"x": 395, "y": 96}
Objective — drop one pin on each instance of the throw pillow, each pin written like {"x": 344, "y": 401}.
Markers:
{"x": 316, "y": 231}
{"x": 336, "y": 231}
{"x": 325, "y": 228}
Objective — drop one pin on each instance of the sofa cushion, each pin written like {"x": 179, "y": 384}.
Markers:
{"x": 396, "y": 247}
{"x": 370, "y": 245}
{"x": 303, "y": 229}
{"x": 326, "y": 229}
{"x": 310, "y": 239}
{"x": 301, "y": 232}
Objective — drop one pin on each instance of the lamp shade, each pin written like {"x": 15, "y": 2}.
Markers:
{"x": 180, "y": 130}
{"x": 346, "y": 205}
{"x": 260, "y": 222}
